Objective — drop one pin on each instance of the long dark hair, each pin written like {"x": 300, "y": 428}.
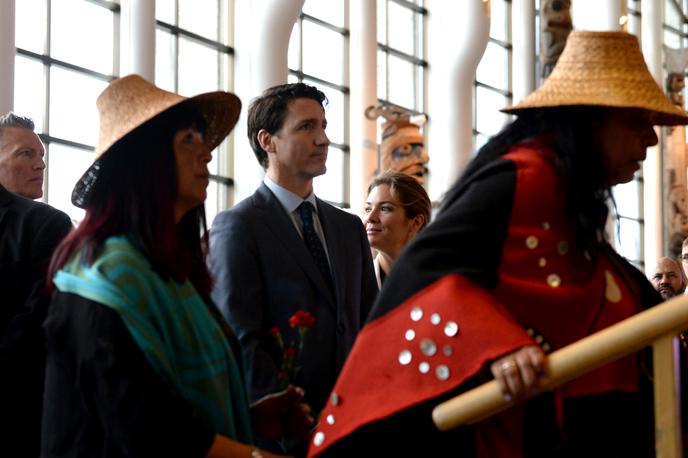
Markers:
{"x": 579, "y": 160}
{"x": 135, "y": 194}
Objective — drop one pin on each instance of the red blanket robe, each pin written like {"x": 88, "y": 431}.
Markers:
{"x": 497, "y": 270}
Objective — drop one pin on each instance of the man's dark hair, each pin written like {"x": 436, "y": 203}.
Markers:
{"x": 270, "y": 109}
{"x": 14, "y": 120}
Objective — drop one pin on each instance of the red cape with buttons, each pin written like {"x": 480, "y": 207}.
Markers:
{"x": 478, "y": 283}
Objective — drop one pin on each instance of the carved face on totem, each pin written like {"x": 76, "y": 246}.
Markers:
{"x": 402, "y": 149}
{"x": 557, "y": 14}
{"x": 676, "y": 82}
{"x": 675, "y": 85}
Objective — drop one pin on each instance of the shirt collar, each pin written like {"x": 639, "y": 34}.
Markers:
{"x": 290, "y": 201}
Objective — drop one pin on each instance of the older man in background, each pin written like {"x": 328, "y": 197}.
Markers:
{"x": 21, "y": 157}
{"x": 684, "y": 257}
{"x": 668, "y": 278}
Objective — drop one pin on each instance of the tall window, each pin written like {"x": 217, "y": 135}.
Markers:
{"x": 628, "y": 232}
{"x": 60, "y": 70}
{"x": 193, "y": 35}
{"x": 675, "y": 23}
{"x": 493, "y": 76}
{"x": 401, "y": 64}
{"x": 318, "y": 51}
{"x": 401, "y": 53}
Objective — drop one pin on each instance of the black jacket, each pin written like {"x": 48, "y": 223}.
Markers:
{"x": 29, "y": 233}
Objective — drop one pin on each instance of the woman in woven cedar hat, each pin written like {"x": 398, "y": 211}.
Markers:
{"x": 139, "y": 361}
{"x": 517, "y": 265}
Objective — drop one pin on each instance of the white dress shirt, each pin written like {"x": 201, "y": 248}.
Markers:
{"x": 290, "y": 202}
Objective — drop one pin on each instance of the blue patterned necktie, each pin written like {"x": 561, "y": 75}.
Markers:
{"x": 313, "y": 241}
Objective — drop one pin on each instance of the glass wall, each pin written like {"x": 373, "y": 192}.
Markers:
{"x": 59, "y": 71}
{"x": 492, "y": 90}
{"x": 401, "y": 54}
{"x": 193, "y": 35}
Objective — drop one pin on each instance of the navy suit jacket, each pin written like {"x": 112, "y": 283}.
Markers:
{"x": 264, "y": 273}
{"x": 29, "y": 233}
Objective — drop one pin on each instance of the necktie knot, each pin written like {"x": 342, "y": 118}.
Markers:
{"x": 305, "y": 211}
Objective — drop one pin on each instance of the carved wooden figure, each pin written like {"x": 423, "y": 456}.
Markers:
{"x": 402, "y": 147}
{"x": 555, "y": 26}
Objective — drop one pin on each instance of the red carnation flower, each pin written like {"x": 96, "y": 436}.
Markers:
{"x": 302, "y": 319}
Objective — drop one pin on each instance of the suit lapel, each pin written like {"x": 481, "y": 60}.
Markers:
{"x": 281, "y": 225}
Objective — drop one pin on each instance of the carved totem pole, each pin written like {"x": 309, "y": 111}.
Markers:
{"x": 401, "y": 148}
{"x": 555, "y": 26}
{"x": 675, "y": 163}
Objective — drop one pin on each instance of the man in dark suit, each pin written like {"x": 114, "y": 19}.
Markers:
{"x": 29, "y": 233}
{"x": 283, "y": 250}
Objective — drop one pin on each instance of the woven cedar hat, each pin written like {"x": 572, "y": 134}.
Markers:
{"x": 130, "y": 102}
{"x": 604, "y": 69}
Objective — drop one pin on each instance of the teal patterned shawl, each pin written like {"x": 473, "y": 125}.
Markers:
{"x": 173, "y": 326}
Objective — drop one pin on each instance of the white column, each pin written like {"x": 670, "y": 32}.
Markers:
{"x": 465, "y": 25}
{"x": 597, "y": 14}
{"x": 261, "y": 40}
{"x": 137, "y": 40}
{"x": 363, "y": 84}
{"x": 7, "y": 53}
{"x": 652, "y": 12}
{"x": 523, "y": 43}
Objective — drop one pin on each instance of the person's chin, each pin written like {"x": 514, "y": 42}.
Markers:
{"x": 666, "y": 295}
{"x": 198, "y": 200}
{"x": 318, "y": 171}
{"x": 35, "y": 194}
{"x": 624, "y": 177}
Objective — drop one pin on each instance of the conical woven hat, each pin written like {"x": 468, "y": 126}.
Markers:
{"x": 128, "y": 103}
{"x": 603, "y": 69}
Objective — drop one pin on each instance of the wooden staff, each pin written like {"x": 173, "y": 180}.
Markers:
{"x": 580, "y": 357}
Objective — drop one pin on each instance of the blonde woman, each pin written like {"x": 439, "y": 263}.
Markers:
{"x": 397, "y": 208}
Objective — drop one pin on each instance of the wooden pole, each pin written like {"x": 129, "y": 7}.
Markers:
{"x": 572, "y": 361}
{"x": 666, "y": 388}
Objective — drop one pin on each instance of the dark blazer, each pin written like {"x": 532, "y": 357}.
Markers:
{"x": 264, "y": 273}
{"x": 29, "y": 233}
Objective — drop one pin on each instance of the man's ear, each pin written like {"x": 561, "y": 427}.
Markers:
{"x": 265, "y": 141}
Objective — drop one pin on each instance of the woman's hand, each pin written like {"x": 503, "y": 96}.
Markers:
{"x": 518, "y": 373}
{"x": 282, "y": 414}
